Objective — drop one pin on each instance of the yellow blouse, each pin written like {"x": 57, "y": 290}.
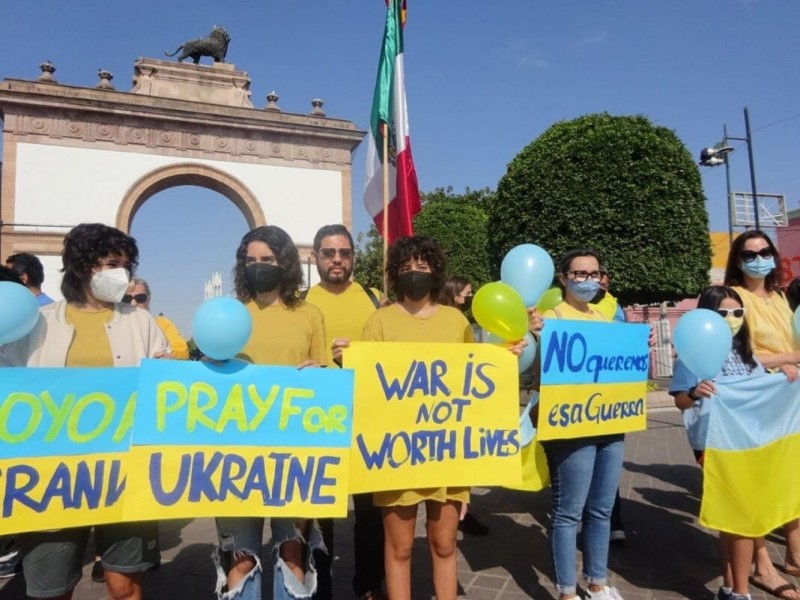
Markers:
{"x": 770, "y": 322}
{"x": 393, "y": 324}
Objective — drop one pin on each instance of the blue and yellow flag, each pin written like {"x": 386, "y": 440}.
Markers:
{"x": 750, "y": 485}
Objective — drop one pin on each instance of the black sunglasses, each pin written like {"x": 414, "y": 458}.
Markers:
{"x": 750, "y": 255}
{"x": 329, "y": 253}
{"x": 140, "y": 298}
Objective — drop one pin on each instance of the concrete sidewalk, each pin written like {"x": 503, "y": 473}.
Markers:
{"x": 667, "y": 555}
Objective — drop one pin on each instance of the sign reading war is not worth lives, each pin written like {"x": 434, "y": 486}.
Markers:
{"x": 230, "y": 440}
{"x": 432, "y": 415}
{"x": 593, "y": 378}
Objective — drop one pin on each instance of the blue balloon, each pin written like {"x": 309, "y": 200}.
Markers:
{"x": 528, "y": 269}
{"x": 221, "y": 327}
{"x": 703, "y": 341}
{"x": 19, "y": 311}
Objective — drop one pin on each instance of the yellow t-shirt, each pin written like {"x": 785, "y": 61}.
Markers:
{"x": 284, "y": 336}
{"x": 180, "y": 349}
{"x": 90, "y": 345}
{"x": 393, "y": 324}
{"x": 565, "y": 311}
{"x": 769, "y": 321}
{"x": 345, "y": 313}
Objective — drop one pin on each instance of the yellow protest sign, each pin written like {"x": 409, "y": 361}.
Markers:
{"x": 433, "y": 415}
{"x": 593, "y": 379}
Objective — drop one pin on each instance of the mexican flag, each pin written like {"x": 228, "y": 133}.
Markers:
{"x": 389, "y": 110}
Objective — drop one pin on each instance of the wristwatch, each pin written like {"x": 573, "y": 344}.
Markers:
{"x": 691, "y": 393}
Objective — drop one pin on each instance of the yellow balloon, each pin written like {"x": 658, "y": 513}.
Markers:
{"x": 549, "y": 299}
{"x": 499, "y": 309}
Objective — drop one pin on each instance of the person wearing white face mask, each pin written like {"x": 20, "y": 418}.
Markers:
{"x": 754, "y": 271}
{"x": 90, "y": 328}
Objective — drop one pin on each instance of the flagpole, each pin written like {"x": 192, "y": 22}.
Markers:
{"x": 385, "y": 132}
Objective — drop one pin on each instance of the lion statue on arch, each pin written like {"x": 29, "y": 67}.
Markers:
{"x": 215, "y": 46}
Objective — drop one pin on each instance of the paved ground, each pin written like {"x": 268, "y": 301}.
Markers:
{"x": 667, "y": 555}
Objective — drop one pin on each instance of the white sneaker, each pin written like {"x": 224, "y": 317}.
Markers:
{"x": 607, "y": 593}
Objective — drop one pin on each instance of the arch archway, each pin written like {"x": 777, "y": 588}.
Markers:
{"x": 189, "y": 174}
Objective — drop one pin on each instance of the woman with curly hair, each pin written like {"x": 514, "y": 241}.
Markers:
{"x": 287, "y": 331}
{"x": 90, "y": 328}
{"x": 416, "y": 273}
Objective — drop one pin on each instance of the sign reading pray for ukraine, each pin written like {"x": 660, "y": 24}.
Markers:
{"x": 433, "y": 415}
{"x": 64, "y": 437}
{"x": 78, "y": 448}
{"x": 593, "y": 378}
{"x": 240, "y": 439}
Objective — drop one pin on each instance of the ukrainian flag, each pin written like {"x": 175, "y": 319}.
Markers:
{"x": 751, "y": 484}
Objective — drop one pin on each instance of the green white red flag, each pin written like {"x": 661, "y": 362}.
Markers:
{"x": 389, "y": 109}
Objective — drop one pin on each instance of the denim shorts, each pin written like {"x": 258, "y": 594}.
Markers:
{"x": 53, "y": 560}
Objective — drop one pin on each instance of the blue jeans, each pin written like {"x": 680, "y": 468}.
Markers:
{"x": 242, "y": 535}
{"x": 584, "y": 476}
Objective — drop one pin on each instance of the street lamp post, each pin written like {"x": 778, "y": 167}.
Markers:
{"x": 712, "y": 157}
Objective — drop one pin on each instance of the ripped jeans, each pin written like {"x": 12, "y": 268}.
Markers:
{"x": 242, "y": 535}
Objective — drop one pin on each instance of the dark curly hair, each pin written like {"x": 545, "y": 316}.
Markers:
{"x": 285, "y": 253}
{"x": 84, "y": 247}
{"x": 733, "y": 271}
{"x": 421, "y": 248}
{"x": 711, "y": 298}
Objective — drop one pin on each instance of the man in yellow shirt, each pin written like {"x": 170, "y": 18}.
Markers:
{"x": 346, "y": 306}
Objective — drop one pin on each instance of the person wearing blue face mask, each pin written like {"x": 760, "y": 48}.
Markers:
{"x": 584, "y": 472}
{"x": 754, "y": 271}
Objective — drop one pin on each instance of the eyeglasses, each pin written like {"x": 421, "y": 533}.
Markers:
{"x": 140, "y": 298}
{"x": 329, "y": 253}
{"x": 750, "y": 255}
{"x": 581, "y": 276}
{"x": 730, "y": 312}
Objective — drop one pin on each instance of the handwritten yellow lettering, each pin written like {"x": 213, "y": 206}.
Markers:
{"x": 163, "y": 405}
{"x": 196, "y": 412}
{"x": 287, "y": 408}
{"x": 35, "y": 418}
{"x": 263, "y": 405}
{"x": 108, "y": 406}
{"x": 59, "y": 414}
{"x": 233, "y": 410}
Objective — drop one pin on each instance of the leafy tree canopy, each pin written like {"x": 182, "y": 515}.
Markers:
{"x": 457, "y": 221}
{"x": 619, "y": 184}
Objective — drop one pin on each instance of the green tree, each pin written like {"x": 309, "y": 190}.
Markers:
{"x": 619, "y": 184}
{"x": 457, "y": 221}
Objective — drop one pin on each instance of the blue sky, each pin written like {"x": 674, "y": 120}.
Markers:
{"x": 483, "y": 80}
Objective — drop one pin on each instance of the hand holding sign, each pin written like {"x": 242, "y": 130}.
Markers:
{"x": 19, "y": 312}
{"x": 221, "y": 327}
{"x": 702, "y": 340}
{"x": 529, "y": 270}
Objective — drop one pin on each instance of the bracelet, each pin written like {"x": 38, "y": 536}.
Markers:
{"x": 691, "y": 393}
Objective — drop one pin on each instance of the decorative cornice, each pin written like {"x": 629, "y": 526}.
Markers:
{"x": 66, "y": 114}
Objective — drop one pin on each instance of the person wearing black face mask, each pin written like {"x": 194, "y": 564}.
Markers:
{"x": 416, "y": 273}
{"x": 286, "y": 331}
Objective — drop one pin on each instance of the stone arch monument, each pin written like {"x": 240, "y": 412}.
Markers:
{"x": 77, "y": 154}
